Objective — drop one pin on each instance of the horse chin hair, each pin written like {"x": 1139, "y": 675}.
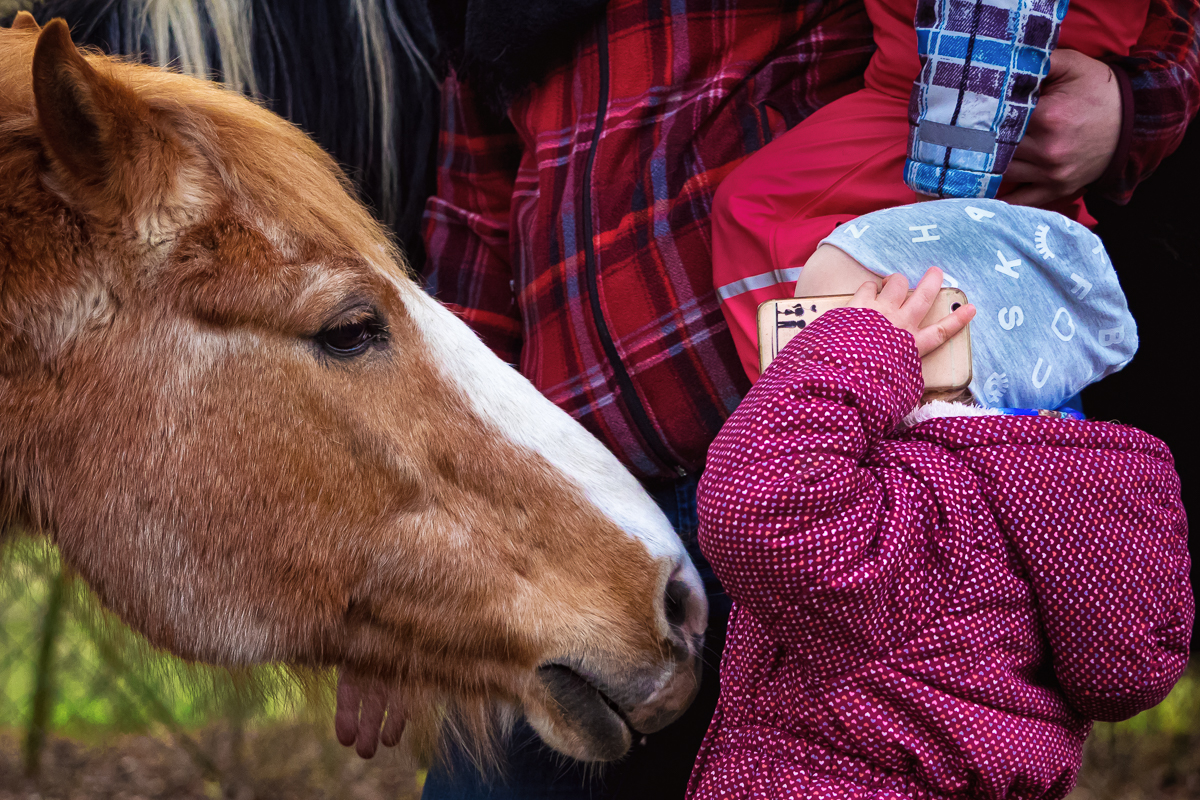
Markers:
{"x": 479, "y": 730}
{"x": 476, "y": 728}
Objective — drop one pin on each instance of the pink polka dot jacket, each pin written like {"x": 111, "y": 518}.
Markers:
{"x": 933, "y": 612}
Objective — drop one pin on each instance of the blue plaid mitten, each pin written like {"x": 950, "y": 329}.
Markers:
{"x": 982, "y": 65}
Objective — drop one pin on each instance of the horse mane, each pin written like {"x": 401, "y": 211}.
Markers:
{"x": 248, "y": 145}
{"x": 297, "y": 57}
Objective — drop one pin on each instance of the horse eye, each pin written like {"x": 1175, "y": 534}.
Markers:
{"x": 350, "y": 339}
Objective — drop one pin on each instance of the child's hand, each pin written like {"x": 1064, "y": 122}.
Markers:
{"x": 906, "y": 311}
{"x": 369, "y": 711}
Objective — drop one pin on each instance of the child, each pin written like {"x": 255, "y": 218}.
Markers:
{"x": 848, "y": 158}
{"x": 937, "y": 602}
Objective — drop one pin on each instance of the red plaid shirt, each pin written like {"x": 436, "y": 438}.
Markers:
{"x": 573, "y": 234}
{"x": 1164, "y": 90}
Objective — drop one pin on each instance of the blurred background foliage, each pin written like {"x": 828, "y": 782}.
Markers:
{"x": 13, "y": 6}
{"x": 88, "y": 709}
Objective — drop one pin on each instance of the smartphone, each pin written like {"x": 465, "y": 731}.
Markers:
{"x": 946, "y": 369}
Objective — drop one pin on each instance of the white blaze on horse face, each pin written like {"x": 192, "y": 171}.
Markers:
{"x": 500, "y": 394}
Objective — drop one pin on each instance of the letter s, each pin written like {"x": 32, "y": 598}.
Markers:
{"x": 1011, "y": 317}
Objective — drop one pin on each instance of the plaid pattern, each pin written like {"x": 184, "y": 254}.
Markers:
{"x": 982, "y": 63}
{"x": 699, "y": 88}
{"x": 1164, "y": 73}
{"x": 689, "y": 88}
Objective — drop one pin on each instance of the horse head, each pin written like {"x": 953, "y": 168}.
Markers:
{"x": 241, "y": 420}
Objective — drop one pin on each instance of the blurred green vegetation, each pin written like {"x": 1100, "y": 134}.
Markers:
{"x": 81, "y": 691}
{"x": 123, "y": 719}
{"x": 1154, "y": 756}
{"x": 105, "y": 677}
{"x": 13, "y": 6}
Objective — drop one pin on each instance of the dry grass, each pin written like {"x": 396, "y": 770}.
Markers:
{"x": 282, "y": 762}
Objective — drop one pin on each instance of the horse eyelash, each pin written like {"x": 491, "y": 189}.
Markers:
{"x": 361, "y": 312}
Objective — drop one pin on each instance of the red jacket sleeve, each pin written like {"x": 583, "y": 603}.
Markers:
{"x": 810, "y": 538}
{"x": 1160, "y": 86}
{"x": 1094, "y": 513}
{"x": 466, "y": 230}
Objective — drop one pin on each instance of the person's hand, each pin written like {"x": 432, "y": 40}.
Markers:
{"x": 906, "y": 311}
{"x": 364, "y": 704}
{"x": 1072, "y": 135}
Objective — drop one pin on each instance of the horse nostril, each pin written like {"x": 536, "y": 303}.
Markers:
{"x": 675, "y": 602}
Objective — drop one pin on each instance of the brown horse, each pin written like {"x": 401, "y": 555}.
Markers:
{"x": 226, "y": 400}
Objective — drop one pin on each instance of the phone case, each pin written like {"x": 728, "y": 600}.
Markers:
{"x": 946, "y": 369}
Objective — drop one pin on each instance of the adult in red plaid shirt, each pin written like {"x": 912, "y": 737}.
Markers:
{"x": 581, "y": 144}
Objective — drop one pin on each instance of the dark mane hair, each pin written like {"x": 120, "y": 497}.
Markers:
{"x": 357, "y": 76}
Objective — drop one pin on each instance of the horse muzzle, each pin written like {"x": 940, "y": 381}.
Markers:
{"x": 595, "y": 714}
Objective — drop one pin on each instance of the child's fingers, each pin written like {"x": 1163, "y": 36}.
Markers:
{"x": 921, "y": 300}
{"x": 345, "y": 721}
{"x": 393, "y": 726}
{"x": 933, "y": 336}
{"x": 865, "y": 296}
{"x": 370, "y": 719}
{"x": 895, "y": 290}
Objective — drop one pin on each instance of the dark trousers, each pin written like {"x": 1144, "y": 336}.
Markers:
{"x": 658, "y": 768}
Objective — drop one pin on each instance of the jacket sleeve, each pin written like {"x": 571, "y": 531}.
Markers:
{"x": 803, "y": 532}
{"x": 466, "y": 232}
{"x": 1099, "y": 528}
{"x": 1160, "y": 87}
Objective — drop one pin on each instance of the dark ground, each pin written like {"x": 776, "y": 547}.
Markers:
{"x": 282, "y": 762}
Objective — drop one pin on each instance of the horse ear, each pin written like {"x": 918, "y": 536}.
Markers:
{"x": 82, "y": 114}
{"x": 24, "y": 21}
